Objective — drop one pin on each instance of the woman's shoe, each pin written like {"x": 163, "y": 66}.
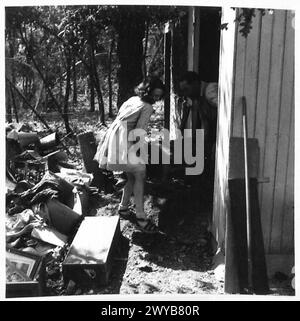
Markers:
{"x": 149, "y": 228}
{"x": 127, "y": 214}
{"x": 121, "y": 182}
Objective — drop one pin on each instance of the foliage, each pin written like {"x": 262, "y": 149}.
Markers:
{"x": 55, "y": 51}
{"x": 245, "y": 17}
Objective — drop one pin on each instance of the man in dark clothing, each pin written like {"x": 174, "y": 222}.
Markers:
{"x": 199, "y": 114}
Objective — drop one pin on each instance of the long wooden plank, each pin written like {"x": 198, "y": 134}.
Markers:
{"x": 251, "y": 71}
{"x": 269, "y": 166}
{"x": 283, "y": 137}
{"x": 241, "y": 48}
{"x": 262, "y": 103}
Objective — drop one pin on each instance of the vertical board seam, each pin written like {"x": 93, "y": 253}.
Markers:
{"x": 267, "y": 113}
{"x": 257, "y": 71}
{"x": 287, "y": 162}
{"x": 267, "y": 106}
{"x": 278, "y": 132}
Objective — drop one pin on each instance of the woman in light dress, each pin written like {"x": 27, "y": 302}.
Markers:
{"x": 117, "y": 151}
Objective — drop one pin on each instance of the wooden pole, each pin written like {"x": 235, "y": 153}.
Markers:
{"x": 167, "y": 72}
{"x": 248, "y": 207}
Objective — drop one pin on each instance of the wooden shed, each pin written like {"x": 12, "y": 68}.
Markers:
{"x": 261, "y": 68}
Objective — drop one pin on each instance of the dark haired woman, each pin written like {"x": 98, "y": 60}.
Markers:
{"x": 115, "y": 152}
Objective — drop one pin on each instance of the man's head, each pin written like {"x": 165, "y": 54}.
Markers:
{"x": 189, "y": 84}
{"x": 151, "y": 90}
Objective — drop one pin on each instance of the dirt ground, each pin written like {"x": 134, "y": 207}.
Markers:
{"x": 176, "y": 261}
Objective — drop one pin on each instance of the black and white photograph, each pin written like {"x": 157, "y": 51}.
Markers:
{"x": 150, "y": 150}
{"x": 23, "y": 262}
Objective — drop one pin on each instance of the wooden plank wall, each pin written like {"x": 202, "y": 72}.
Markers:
{"x": 264, "y": 73}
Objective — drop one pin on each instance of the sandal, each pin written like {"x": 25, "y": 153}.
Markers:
{"x": 120, "y": 183}
{"x": 127, "y": 214}
{"x": 149, "y": 228}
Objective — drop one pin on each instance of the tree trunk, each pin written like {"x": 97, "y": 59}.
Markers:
{"x": 110, "y": 93}
{"x": 94, "y": 79}
{"x": 26, "y": 87}
{"x": 167, "y": 72}
{"x": 48, "y": 89}
{"x": 8, "y": 103}
{"x": 144, "y": 65}
{"x": 39, "y": 97}
{"x": 74, "y": 81}
{"x": 92, "y": 92}
{"x": 46, "y": 84}
{"x": 131, "y": 31}
{"x": 9, "y": 68}
{"x": 14, "y": 103}
{"x": 97, "y": 84}
{"x": 46, "y": 100}
{"x": 67, "y": 92}
{"x": 23, "y": 86}
{"x": 60, "y": 90}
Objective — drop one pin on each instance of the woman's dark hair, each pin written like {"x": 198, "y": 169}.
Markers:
{"x": 145, "y": 88}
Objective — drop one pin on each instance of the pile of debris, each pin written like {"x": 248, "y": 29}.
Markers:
{"x": 46, "y": 199}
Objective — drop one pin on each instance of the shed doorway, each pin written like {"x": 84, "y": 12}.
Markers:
{"x": 193, "y": 45}
{"x": 203, "y": 43}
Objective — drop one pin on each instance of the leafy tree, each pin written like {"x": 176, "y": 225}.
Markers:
{"x": 107, "y": 49}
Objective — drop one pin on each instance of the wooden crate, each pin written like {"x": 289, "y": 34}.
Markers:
{"x": 89, "y": 260}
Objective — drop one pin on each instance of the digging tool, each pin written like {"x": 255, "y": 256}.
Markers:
{"x": 248, "y": 208}
{"x": 245, "y": 265}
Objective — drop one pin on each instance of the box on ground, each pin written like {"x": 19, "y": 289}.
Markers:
{"x": 90, "y": 258}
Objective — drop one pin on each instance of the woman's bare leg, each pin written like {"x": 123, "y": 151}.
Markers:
{"x": 138, "y": 192}
{"x": 127, "y": 191}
